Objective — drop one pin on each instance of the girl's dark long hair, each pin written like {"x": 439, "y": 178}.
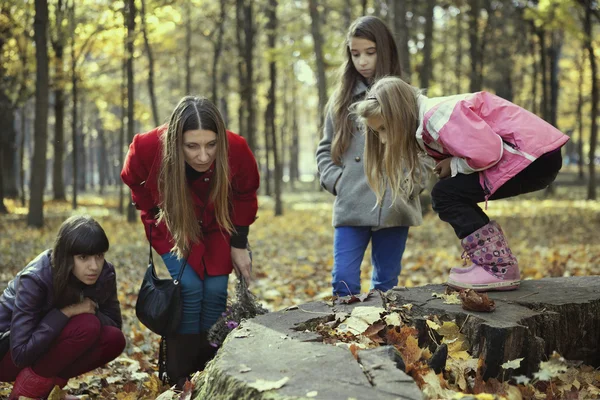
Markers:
{"x": 77, "y": 235}
{"x": 388, "y": 64}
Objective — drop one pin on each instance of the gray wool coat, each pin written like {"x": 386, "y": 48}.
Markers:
{"x": 355, "y": 203}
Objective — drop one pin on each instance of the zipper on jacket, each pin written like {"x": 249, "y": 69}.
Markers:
{"x": 513, "y": 145}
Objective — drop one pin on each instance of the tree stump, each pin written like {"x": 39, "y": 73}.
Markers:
{"x": 281, "y": 351}
{"x": 542, "y": 316}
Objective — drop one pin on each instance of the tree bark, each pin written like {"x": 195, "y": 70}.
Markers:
{"x": 101, "y": 155}
{"x": 272, "y": 105}
{"x": 242, "y": 129}
{"x": 22, "y": 152}
{"x": 58, "y": 180}
{"x": 224, "y": 106}
{"x": 35, "y": 216}
{"x": 591, "y": 193}
{"x": 218, "y": 51}
{"x": 402, "y": 36}
{"x": 318, "y": 44}
{"x": 188, "y": 48}
{"x": 474, "y": 10}
{"x": 123, "y": 111}
{"x": 75, "y": 136}
{"x": 295, "y": 147}
{"x": 534, "y": 73}
{"x": 579, "y": 116}
{"x": 150, "y": 65}
{"x": 249, "y": 32}
{"x": 131, "y": 214}
{"x": 459, "y": 52}
{"x": 427, "y": 67}
{"x": 544, "y": 109}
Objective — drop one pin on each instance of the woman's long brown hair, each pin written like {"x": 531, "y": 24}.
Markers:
{"x": 388, "y": 63}
{"x": 176, "y": 204}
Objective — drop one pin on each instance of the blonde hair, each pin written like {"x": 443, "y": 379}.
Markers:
{"x": 388, "y": 63}
{"x": 398, "y": 160}
{"x": 176, "y": 202}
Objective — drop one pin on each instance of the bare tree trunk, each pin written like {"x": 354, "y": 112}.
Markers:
{"x": 101, "y": 155}
{"x": 150, "y": 65}
{"x": 224, "y": 107}
{"x": 92, "y": 159}
{"x": 534, "y": 74}
{"x": 218, "y": 51}
{"x": 459, "y": 52}
{"x": 272, "y": 98}
{"x": 544, "y": 66}
{"x": 242, "y": 129}
{"x": 402, "y": 36}
{"x": 427, "y": 68}
{"x": 318, "y": 43}
{"x": 81, "y": 148}
{"x": 22, "y": 151}
{"x": 295, "y": 148}
{"x": 591, "y": 195}
{"x": 579, "y": 116}
{"x": 131, "y": 214}
{"x": 3, "y": 209}
{"x": 365, "y": 6}
{"x": 249, "y": 32}
{"x": 58, "y": 181}
{"x": 188, "y": 48}
{"x": 75, "y": 136}
{"x": 554, "y": 56}
{"x": 38, "y": 175}
{"x": 122, "y": 127}
{"x": 268, "y": 147}
{"x": 474, "y": 10}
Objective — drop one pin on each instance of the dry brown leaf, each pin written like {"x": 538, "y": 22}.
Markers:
{"x": 474, "y": 301}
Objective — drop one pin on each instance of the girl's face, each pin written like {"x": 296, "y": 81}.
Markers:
{"x": 364, "y": 56}
{"x": 87, "y": 268}
{"x": 376, "y": 125}
{"x": 200, "y": 148}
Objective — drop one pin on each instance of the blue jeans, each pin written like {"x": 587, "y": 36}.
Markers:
{"x": 349, "y": 245}
{"x": 203, "y": 300}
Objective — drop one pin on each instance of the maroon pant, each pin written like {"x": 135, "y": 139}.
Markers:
{"x": 83, "y": 345}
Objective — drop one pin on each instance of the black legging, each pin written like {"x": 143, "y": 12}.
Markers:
{"x": 455, "y": 199}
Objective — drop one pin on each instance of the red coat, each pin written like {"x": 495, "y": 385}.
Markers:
{"x": 213, "y": 253}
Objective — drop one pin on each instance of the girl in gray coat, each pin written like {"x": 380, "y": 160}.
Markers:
{"x": 371, "y": 53}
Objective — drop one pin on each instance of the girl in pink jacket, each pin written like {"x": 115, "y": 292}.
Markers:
{"x": 485, "y": 148}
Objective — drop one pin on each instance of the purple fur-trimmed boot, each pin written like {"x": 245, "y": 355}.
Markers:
{"x": 493, "y": 267}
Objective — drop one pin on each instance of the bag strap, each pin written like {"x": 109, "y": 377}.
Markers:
{"x": 151, "y": 259}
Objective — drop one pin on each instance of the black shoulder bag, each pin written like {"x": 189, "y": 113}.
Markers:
{"x": 159, "y": 304}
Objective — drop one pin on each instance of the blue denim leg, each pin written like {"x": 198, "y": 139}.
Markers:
{"x": 191, "y": 293}
{"x": 215, "y": 300}
{"x": 349, "y": 245}
{"x": 386, "y": 255}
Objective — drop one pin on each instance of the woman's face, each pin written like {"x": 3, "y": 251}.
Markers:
{"x": 364, "y": 56}
{"x": 200, "y": 148}
{"x": 87, "y": 268}
{"x": 376, "y": 125}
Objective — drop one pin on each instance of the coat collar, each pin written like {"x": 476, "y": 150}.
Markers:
{"x": 359, "y": 88}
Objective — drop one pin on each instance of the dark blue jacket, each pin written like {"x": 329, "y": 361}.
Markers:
{"x": 28, "y": 310}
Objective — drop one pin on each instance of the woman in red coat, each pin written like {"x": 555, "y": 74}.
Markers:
{"x": 195, "y": 184}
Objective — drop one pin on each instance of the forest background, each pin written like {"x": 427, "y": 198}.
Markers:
{"x": 79, "y": 78}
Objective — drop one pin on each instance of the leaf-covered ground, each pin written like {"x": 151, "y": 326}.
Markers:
{"x": 293, "y": 261}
